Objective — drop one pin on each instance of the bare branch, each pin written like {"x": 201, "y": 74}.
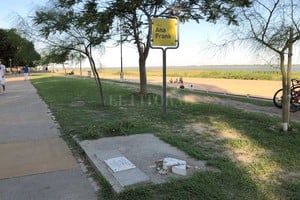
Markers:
{"x": 293, "y": 16}
{"x": 269, "y": 18}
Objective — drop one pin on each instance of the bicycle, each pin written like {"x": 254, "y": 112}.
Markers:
{"x": 295, "y": 96}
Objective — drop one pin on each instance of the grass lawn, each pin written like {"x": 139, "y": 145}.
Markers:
{"x": 254, "y": 159}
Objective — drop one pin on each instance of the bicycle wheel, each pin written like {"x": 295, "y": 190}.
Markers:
{"x": 277, "y": 98}
{"x": 295, "y": 99}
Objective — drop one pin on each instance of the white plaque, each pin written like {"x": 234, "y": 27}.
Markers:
{"x": 118, "y": 164}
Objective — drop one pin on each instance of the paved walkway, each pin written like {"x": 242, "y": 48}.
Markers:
{"x": 36, "y": 164}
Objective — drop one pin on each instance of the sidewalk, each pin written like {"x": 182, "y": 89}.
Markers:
{"x": 36, "y": 164}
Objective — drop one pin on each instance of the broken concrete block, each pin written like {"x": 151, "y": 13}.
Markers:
{"x": 179, "y": 169}
{"x": 170, "y": 162}
{"x": 163, "y": 172}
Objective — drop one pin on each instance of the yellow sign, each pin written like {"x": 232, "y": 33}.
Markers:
{"x": 164, "y": 32}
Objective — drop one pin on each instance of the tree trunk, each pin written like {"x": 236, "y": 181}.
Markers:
{"x": 97, "y": 79}
{"x": 286, "y": 84}
{"x": 143, "y": 75}
{"x": 88, "y": 52}
{"x": 143, "y": 49}
{"x": 285, "y": 95}
{"x": 289, "y": 69}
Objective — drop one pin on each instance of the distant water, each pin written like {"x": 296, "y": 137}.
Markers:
{"x": 235, "y": 67}
{"x": 295, "y": 68}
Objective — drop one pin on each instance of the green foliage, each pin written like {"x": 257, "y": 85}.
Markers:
{"x": 106, "y": 129}
{"x": 91, "y": 132}
{"x": 136, "y": 16}
{"x": 55, "y": 55}
{"x": 75, "y": 26}
{"x": 18, "y": 49}
{"x": 65, "y": 18}
{"x": 118, "y": 128}
{"x": 211, "y": 10}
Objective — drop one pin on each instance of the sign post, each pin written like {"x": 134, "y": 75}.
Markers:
{"x": 165, "y": 35}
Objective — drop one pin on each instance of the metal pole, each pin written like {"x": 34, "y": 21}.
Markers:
{"x": 159, "y": 45}
{"x": 121, "y": 49}
{"x": 10, "y": 64}
{"x": 164, "y": 81}
{"x": 80, "y": 65}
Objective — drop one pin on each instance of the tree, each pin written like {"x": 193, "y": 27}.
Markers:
{"x": 136, "y": 15}
{"x": 75, "y": 25}
{"x": 17, "y": 49}
{"x": 57, "y": 56}
{"x": 275, "y": 25}
{"x": 77, "y": 58}
{"x": 26, "y": 55}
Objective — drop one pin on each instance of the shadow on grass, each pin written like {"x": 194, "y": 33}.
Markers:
{"x": 127, "y": 113}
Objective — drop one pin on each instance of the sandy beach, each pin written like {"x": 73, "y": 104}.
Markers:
{"x": 253, "y": 88}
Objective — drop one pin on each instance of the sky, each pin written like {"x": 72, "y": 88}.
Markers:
{"x": 195, "y": 43}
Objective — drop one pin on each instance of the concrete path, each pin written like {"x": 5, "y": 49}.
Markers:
{"x": 36, "y": 163}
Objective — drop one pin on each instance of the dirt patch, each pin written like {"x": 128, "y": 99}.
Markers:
{"x": 241, "y": 155}
{"x": 77, "y": 103}
{"x": 292, "y": 176}
{"x": 198, "y": 127}
{"x": 201, "y": 128}
{"x": 229, "y": 135}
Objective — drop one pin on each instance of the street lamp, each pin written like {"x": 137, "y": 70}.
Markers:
{"x": 10, "y": 65}
{"x": 80, "y": 64}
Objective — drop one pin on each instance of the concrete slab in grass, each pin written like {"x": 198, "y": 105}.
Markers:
{"x": 118, "y": 180}
{"x": 142, "y": 150}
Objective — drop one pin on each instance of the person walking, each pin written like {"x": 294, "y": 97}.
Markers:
{"x": 2, "y": 77}
{"x": 26, "y": 72}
